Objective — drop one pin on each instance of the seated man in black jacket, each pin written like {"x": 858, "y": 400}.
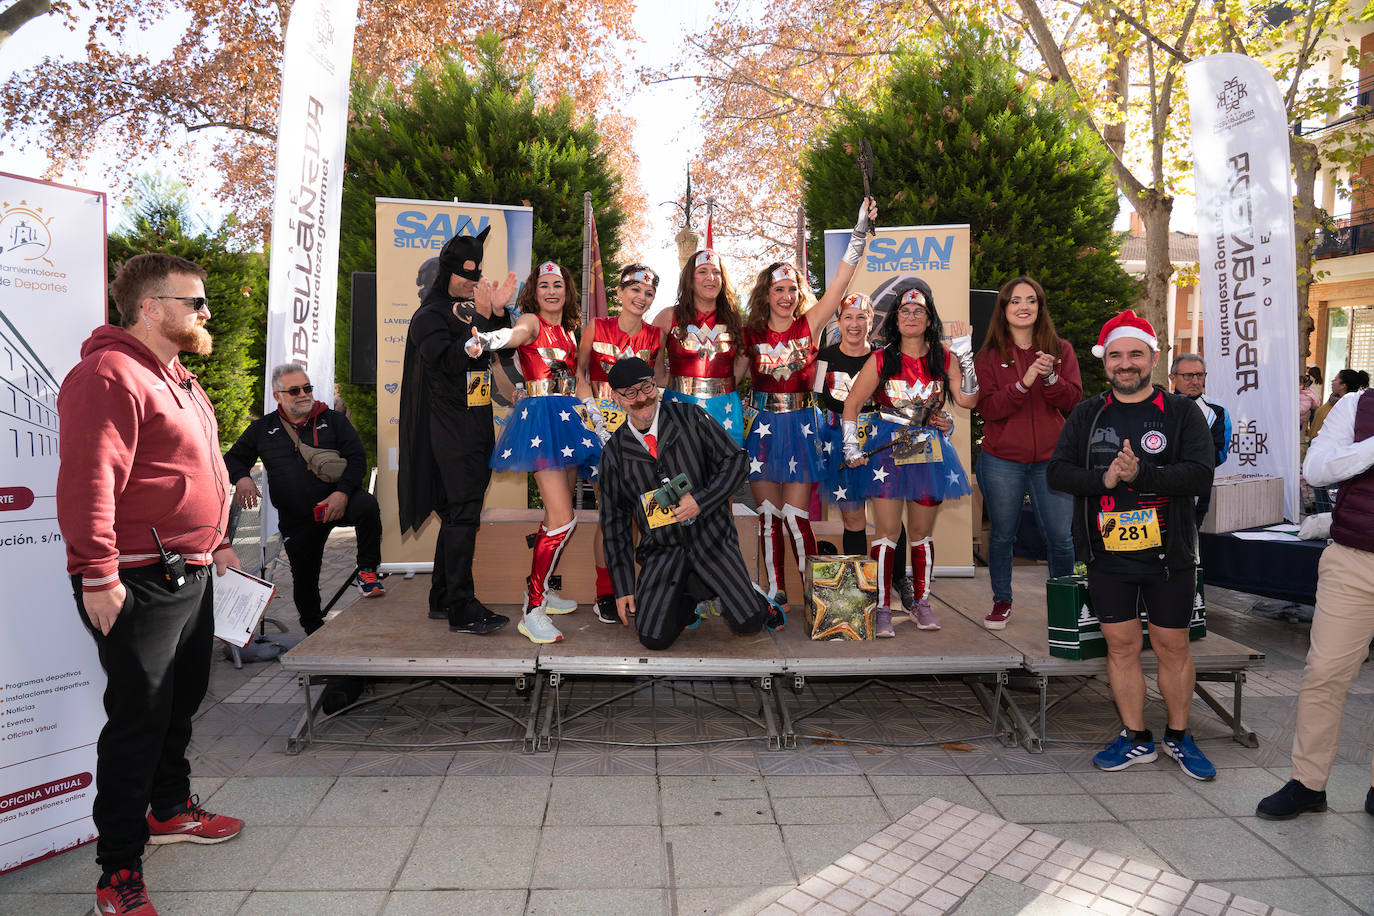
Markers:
{"x": 307, "y": 506}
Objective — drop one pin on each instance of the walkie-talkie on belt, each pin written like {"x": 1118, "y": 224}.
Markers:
{"x": 173, "y": 564}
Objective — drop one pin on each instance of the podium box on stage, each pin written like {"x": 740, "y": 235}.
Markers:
{"x": 1244, "y": 501}
{"x": 841, "y": 597}
{"x": 1075, "y": 632}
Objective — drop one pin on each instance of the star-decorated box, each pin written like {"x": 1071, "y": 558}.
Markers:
{"x": 1075, "y": 631}
{"x": 841, "y": 597}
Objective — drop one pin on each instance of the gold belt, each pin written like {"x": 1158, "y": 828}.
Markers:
{"x": 775, "y": 402}
{"x": 541, "y": 387}
{"x": 702, "y": 387}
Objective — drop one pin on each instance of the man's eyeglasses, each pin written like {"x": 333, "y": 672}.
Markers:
{"x": 296, "y": 390}
{"x": 643, "y": 387}
{"x": 1192, "y": 376}
{"x": 194, "y": 303}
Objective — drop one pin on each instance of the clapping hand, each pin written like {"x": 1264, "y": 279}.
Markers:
{"x": 1123, "y": 468}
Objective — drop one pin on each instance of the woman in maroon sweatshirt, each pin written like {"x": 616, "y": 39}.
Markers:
{"x": 1029, "y": 381}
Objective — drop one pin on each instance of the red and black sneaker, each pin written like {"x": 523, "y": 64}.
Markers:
{"x": 122, "y": 892}
{"x": 370, "y": 584}
{"x": 193, "y": 825}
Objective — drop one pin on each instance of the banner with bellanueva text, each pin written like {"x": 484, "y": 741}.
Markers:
{"x": 1247, "y": 263}
{"x": 410, "y": 234}
{"x": 940, "y": 256}
{"x": 52, "y": 263}
{"x": 312, "y": 126}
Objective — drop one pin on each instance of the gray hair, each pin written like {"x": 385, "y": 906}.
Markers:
{"x": 1173, "y": 367}
{"x": 287, "y": 369}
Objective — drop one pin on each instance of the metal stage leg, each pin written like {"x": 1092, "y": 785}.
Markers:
{"x": 536, "y": 688}
{"x": 992, "y": 704}
{"x": 763, "y": 689}
{"x": 1031, "y": 738}
{"x": 1239, "y": 733}
{"x": 305, "y": 728}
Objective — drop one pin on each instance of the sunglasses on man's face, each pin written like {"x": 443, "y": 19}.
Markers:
{"x": 194, "y": 303}
{"x": 296, "y": 390}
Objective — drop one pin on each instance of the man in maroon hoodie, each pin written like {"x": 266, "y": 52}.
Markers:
{"x": 140, "y": 451}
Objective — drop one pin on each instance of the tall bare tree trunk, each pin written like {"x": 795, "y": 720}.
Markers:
{"x": 1306, "y": 163}
{"x": 1156, "y": 209}
{"x": 15, "y": 17}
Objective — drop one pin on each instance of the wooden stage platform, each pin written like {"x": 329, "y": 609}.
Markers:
{"x": 392, "y": 640}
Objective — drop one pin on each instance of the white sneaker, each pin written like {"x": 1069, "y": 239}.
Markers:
{"x": 537, "y": 626}
{"x": 555, "y": 603}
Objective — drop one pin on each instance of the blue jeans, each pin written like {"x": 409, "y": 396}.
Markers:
{"x": 1004, "y": 485}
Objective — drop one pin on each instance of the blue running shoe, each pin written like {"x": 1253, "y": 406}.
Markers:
{"x": 1190, "y": 758}
{"x": 1124, "y": 751}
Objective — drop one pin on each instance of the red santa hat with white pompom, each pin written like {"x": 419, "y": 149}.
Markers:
{"x": 1126, "y": 324}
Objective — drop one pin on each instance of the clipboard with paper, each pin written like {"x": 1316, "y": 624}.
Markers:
{"x": 240, "y": 602}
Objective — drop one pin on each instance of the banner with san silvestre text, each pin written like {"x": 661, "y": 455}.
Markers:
{"x": 1247, "y": 263}
{"x": 52, "y": 295}
{"x": 940, "y": 256}
{"x": 410, "y": 234}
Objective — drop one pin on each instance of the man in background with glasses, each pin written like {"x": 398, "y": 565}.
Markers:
{"x": 308, "y": 508}
{"x": 1188, "y": 375}
{"x": 139, "y": 449}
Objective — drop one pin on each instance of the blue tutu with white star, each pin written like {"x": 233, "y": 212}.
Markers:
{"x": 786, "y": 446}
{"x": 843, "y": 486}
{"x": 725, "y": 409}
{"x": 545, "y": 432}
{"x": 933, "y": 473}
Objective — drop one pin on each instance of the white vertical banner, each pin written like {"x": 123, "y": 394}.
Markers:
{"x": 312, "y": 128}
{"x": 1248, "y": 272}
{"x": 52, "y": 263}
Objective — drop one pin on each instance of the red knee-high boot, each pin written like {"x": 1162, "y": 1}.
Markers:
{"x": 547, "y": 548}
{"x": 922, "y": 571}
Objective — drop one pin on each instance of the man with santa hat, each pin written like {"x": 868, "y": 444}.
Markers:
{"x": 1135, "y": 457}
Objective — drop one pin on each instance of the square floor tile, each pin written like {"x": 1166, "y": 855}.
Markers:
{"x": 341, "y": 858}
{"x": 603, "y": 801}
{"x": 705, "y": 800}
{"x": 1213, "y": 849}
{"x": 470, "y": 858}
{"x": 309, "y": 903}
{"x": 472, "y": 800}
{"x": 728, "y": 855}
{"x": 455, "y": 903}
{"x": 589, "y": 857}
{"x": 614, "y": 901}
{"x": 364, "y": 800}
{"x": 270, "y": 800}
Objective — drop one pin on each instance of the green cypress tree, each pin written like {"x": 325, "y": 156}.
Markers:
{"x": 958, "y": 137}
{"x": 480, "y": 136}
{"x": 160, "y": 219}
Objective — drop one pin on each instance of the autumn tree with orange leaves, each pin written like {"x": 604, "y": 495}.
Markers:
{"x": 220, "y": 79}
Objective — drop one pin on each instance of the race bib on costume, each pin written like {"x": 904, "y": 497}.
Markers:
{"x": 611, "y": 415}
{"x": 479, "y": 388}
{"x": 656, "y": 515}
{"x": 923, "y": 448}
{"x": 1129, "y": 531}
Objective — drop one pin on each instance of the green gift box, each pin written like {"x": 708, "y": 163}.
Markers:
{"x": 841, "y": 597}
{"x": 1074, "y": 629}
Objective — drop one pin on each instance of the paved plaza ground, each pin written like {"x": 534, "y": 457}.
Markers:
{"x": 963, "y": 825}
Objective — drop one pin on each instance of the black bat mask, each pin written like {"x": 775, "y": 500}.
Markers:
{"x": 460, "y": 249}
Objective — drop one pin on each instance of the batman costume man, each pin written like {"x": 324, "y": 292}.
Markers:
{"x": 446, "y": 431}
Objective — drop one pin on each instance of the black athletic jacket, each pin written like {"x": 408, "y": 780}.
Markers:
{"x": 1183, "y": 472}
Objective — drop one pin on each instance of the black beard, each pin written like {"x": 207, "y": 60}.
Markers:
{"x": 1141, "y": 383}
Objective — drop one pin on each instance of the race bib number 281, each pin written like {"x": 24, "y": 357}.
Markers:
{"x": 1125, "y": 531}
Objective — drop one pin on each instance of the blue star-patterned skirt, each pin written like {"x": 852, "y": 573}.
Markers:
{"x": 786, "y": 446}
{"x": 545, "y": 432}
{"x": 724, "y": 409}
{"x": 843, "y": 486}
{"x": 928, "y": 469}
